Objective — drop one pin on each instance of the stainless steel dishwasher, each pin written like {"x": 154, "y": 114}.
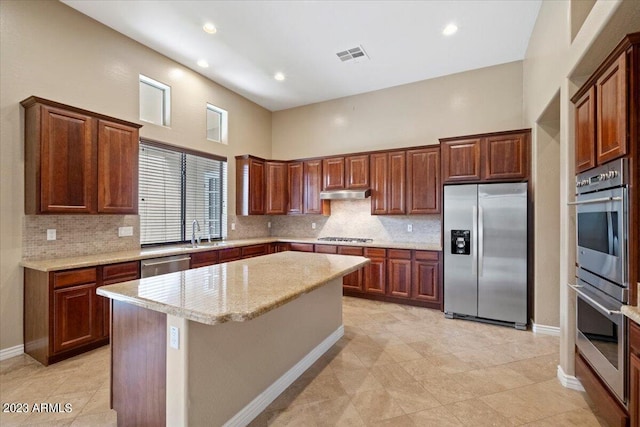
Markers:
{"x": 163, "y": 265}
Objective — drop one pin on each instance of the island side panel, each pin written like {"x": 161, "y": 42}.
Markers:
{"x": 138, "y": 365}
{"x": 232, "y": 363}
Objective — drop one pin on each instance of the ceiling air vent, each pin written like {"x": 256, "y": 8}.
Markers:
{"x": 355, "y": 54}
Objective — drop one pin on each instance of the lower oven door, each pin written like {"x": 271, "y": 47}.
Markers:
{"x": 601, "y": 336}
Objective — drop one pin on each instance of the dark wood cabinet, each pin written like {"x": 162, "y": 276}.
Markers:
{"x": 117, "y": 168}
{"x": 356, "y": 170}
{"x": 611, "y": 111}
{"x": 586, "y": 131}
{"x": 295, "y": 188}
{"x": 500, "y": 156}
{"x": 399, "y": 273}
{"x": 114, "y": 273}
{"x": 426, "y": 277}
{"x": 312, "y": 171}
{"x": 250, "y": 185}
{"x": 77, "y": 161}
{"x": 423, "y": 181}
{"x": 375, "y": 273}
{"x": 333, "y": 173}
{"x": 276, "y": 188}
{"x": 203, "y": 259}
{"x": 352, "y": 281}
{"x": 388, "y": 183}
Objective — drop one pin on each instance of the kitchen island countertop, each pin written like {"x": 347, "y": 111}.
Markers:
{"x": 236, "y": 291}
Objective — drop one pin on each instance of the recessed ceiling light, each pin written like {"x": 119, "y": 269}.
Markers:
{"x": 450, "y": 29}
{"x": 209, "y": 28}
{"x": 279, "y": 76}
{"x": 202, "y": 63}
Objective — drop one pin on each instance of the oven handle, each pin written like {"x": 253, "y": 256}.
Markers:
{"x": 592, "y": 301}
{"x": 603, "y": 199}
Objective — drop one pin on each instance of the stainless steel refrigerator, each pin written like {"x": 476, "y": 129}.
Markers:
{"x": 485, "y": 252}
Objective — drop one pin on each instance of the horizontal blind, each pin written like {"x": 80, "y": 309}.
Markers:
{"x": 160, "y": 192}
{"x": 204, "y": 186}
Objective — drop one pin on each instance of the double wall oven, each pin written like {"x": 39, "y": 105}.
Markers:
{"x": 602, "y": 272}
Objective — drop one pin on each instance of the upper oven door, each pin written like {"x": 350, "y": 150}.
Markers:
{"x": 601, "y": 234}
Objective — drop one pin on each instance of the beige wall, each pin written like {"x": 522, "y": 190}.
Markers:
{"x": 484, "y": 100}
{"x": 555, "y": 65}
{"x": 50, "y": 50}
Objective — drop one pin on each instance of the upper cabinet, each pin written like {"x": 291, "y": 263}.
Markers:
{"x": 423, "y": 181}
{"x": 502, "y": 156}
{"x": 605, "y": 110}
{"x": 77, "y": 161}
{"x": 250, "y": 185}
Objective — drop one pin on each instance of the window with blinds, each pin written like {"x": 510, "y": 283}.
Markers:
{"x": 175, "y": 189}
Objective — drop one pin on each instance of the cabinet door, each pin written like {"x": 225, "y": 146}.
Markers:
{"x": 586, "y": 131}
{"x": 276, "y": 188}
{"x": 357, "y": 171}
{"x": 333, "y": 170}
{"x": 67, "y": 156}
{"x": 74, "y": 319}
{"x": 612, "y": 112}
{"x": 634, "y": 390}
{"x": 295, "y": 188}
{"x": 379, "y": 180}
{"x": 460, "y": 160}
{"x": 397, "y": 183}
{"x": 312, "y": 187}
{"x": 505, "y": 157}
{"x": 399, "y": 277}
{"x": 426, "y": 277}
{"x": 117, "y": 168}
{"x": 423, "y": 176}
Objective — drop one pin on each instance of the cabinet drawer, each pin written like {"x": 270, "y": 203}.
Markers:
{"x": 427, "y": 256}
{"x": 230, "y": 254}
{"x": 255, "y": 250}
{"x": 326, "y": 249}
{"x": 375, "y": 252}
{"x": 302, "y": 247}
{"x": 634, "y": 337}
{"x": 74, "y": 277}
{"x": 350, "y": 250}
{"x": 399, "y": 254}
{"x": 203, "y": 259}
{"x": 115, "y": 273}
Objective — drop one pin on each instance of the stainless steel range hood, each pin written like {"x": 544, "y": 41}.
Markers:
{"x": 345, "y": 194}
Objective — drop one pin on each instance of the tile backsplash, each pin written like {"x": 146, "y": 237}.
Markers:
{"x": 77, "y": 235}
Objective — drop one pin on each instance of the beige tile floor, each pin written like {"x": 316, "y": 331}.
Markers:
{"x": 395, "y": 366}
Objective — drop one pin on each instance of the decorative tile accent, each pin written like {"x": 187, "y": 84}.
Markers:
{"x": 77, "y": 235}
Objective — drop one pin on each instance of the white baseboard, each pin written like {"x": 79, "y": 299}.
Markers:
{"x": 7, "y": 353}
{"x": 569, "y": 381}
{"x": 546, "y": 330}
{"x": 259, "y": 404}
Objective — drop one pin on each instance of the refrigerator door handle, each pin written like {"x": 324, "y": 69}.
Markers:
{"x": 480, "y": 241}
{"x": 474, "y": 231}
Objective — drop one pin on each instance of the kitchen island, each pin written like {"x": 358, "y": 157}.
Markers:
{"x": 215, "y": 345}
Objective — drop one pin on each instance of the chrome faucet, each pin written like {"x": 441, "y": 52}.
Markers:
{"x": 195, "y": 224}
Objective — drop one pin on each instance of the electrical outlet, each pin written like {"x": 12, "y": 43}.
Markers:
{"x": 313, "y": 225}
{"x": 125, "y": 231}
{"x": 410, "y": 228}
{"x": 233, "y": 226}
{"x": 269, "y": 224}
{"x": 174, "y": 337}
{"x": 51, "y": 234}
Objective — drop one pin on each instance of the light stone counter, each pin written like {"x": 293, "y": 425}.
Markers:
{"x": 160, "y": 251}
{"x": 236, "y": 291}
{"x": 632, "y": 312}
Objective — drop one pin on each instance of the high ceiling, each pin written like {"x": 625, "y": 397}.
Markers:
{"x": 257, "y": 39}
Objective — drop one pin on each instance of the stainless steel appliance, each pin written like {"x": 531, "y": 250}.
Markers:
{"x": 602, "y": 274}
{"x": 485, "y": 252}
{"x": 169, "y": 264}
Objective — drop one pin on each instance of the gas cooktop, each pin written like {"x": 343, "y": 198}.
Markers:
{"x": 345, "y": 239}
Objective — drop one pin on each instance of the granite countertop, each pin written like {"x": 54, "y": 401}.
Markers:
{"x": 160, "y": 251}
{"x": 632, "y": 311}
{"x": 235, "y": 291}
